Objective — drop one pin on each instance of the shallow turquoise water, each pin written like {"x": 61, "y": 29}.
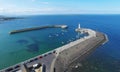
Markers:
{"x": 18, "y": 47}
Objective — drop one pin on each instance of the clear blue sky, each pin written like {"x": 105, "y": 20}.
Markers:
{"x": 59, "y": 7}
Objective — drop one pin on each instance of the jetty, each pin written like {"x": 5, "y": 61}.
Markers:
{"x": 59, "y": 59}
{"x": 37, "y": 28}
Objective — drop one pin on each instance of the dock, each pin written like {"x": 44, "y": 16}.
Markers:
{"x": 59, "y": 59}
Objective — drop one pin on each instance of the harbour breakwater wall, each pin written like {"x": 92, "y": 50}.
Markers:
{"x": 77, "y": 50}
{"x": 37, "y": 28}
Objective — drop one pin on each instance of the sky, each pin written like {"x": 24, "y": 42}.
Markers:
{"x": 28, "y": 7}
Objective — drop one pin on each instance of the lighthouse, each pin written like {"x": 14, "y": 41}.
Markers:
{"x": 79, "y": 28}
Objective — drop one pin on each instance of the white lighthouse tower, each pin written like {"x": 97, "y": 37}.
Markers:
{"x": 79, "y": 28}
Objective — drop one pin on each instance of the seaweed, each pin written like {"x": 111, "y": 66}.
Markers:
{"x": 33, "y": 47}
{"x": 22, "y": 41}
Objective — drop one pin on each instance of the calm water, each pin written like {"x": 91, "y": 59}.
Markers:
{"x": 19, "y": 47}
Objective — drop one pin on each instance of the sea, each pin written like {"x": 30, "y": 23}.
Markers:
{"x": 15, "y": 48}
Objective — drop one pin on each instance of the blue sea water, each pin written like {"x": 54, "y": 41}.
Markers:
{"x": 19, "y": 47}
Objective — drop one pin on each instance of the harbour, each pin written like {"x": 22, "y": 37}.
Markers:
{"x": 18, "y": 47}
{"x": 52, "y": 61}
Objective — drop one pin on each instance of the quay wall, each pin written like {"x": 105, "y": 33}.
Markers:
{"x": 68, "y": 56}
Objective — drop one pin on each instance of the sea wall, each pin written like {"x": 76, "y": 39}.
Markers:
{"x": 37, "y": 28}
{"x": 68, "y": 56}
